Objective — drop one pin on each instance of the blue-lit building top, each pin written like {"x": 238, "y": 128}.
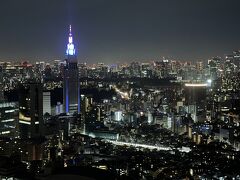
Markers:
{"x": 70, "y": 46}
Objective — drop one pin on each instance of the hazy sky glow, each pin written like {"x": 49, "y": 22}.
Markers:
{"x": 119, "y": 30}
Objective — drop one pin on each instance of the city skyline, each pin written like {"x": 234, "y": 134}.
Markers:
{"x": 103, "y": 89}
{"x": 119, "y": 31}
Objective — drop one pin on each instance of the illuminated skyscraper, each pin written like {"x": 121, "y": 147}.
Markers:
{"x": 46, "y": 102}
{"x": 71, "y": 88}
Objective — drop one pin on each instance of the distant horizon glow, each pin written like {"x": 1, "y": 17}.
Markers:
{"x": 120, "y": 31}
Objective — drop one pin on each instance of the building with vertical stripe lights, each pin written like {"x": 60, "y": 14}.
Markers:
{"x": 71, "y": 85}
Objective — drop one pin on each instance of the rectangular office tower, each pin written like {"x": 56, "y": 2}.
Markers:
{"x": 31, "y": 110}
{"x": 46, "y": 102}
{"x": 71, "y": 85}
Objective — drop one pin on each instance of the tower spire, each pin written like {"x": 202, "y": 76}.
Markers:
{"x": 70, "y": 29}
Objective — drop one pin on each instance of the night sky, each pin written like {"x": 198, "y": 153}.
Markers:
{"x": 119, "y": 30}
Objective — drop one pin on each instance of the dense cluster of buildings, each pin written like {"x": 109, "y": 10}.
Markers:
{"x": 154, "y": 120}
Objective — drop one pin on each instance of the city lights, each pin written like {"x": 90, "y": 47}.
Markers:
{"x": 130, "y": 90}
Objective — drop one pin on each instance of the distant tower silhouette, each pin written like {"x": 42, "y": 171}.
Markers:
{"x": 71, "y": 85}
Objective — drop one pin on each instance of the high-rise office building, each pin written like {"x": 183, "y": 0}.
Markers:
{"x": 46, "y": 102}
{"x": 71, "y": 88}
{"x": 195, "y": 100}
{"x": 9, "y": 119}
{"x": 31, "y": 110}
